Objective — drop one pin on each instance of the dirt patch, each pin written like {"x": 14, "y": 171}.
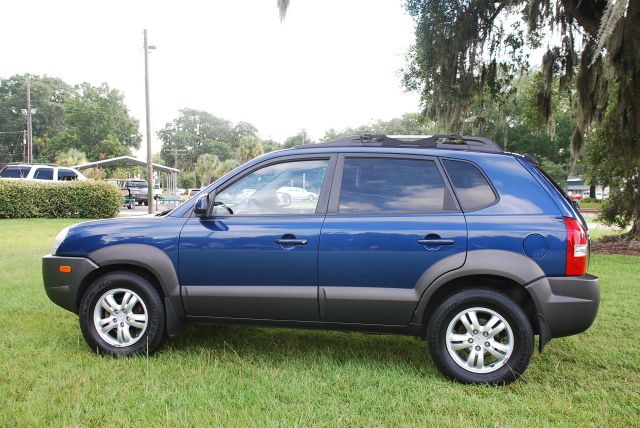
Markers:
{"x": 616, "y": 245}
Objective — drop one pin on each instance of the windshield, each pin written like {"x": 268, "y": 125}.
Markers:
{"x": 137, "y": 184}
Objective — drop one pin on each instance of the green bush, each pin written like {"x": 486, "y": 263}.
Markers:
{"x": 79, "y": 199}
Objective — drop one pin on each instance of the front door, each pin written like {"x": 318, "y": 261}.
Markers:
{"x": 390, "y": 218}
{"x": 256, "y": 257}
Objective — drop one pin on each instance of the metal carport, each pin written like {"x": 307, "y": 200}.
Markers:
{"x": 172, "y": 173}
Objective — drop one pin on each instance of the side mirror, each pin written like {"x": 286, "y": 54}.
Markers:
{"x": 202, "y": 206}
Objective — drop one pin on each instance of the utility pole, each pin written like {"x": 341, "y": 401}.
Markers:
{"x": 146, "y": 94}
{"x": 175, "y": 152}
{"x": 24, "y": 146}
{"x": 28, "y": 156}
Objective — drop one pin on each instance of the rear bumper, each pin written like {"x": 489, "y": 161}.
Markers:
{"x": 62, "y": 288}
{"x": 565, "y": 305}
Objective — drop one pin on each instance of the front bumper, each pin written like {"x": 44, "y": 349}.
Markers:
{"x": 565, "y": 305}
{"x": 62, "y": 288}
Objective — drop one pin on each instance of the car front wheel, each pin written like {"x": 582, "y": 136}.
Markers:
{"x": 480, "y": 336}
{"x": 122, "y": 314}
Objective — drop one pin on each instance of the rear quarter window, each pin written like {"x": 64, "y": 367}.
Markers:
{"x": 66, "y": 175}
{"x": 470, "y": 184}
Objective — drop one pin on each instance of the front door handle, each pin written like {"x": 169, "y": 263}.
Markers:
{"x": 288, "y": 242}
{"x": 436, "y": 242}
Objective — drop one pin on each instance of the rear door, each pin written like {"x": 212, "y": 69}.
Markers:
{"x": 389, "y": 219}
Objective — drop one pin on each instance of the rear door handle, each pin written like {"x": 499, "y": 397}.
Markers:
{"x": 436, "y": 242}
{"x": 288, "y": 242}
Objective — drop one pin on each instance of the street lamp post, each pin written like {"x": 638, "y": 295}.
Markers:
{"x": 146, "y": 95}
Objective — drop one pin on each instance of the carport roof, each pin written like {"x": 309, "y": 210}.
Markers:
{"x": 125, "y": 160}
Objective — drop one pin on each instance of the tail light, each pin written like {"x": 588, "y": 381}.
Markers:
{"x": 577, "y": 247}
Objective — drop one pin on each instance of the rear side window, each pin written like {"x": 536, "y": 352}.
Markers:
{"x": 66, "y": 175}
{"x": 15, "y": 172}
{"x": 388, "y": 185}
{"x": 471, "y": 186}
{"x": 43, "y": 174}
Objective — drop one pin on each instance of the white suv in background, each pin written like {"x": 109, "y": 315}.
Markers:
{"x": 298, "y": 193}
{"x": 40, "y": 172}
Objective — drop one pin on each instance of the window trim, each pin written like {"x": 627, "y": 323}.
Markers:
{"x": 323, "y": 197}
{"x": 486, "y": 177}
{"x": 334, "y": 199}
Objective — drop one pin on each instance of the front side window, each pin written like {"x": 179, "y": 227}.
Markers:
{"x": 283, "y": 188}
{"x": 15, "y": 172}
{"x": 66, "y": 175}
{"x": 391, "y": 185}
{"x": 43, "y": 174}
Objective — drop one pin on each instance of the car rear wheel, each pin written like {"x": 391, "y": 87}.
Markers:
{"x": 122, "y": 314}
{"x": 480, "y": 336}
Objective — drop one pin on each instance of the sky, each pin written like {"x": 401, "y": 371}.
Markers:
{"x": 330, "y": 64}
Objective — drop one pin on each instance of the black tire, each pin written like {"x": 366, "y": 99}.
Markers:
{"x": 511, "y": 312}
{"x": 154, "y": 334}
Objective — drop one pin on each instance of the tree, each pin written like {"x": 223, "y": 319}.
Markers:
{"x": 468, "y": 52}
{"x": 408, "y": 124}
{"x": 192, "y": 134}
{"x": 226, "y": 166}
{"x": 206, "y": 168}
{"x": 71, "y": 157}
{"x": 96, "y": 122}
{"x": 249, "y": 148}
{"x": 92, "y": 119}
{"x": 48, "y": 96}
{"x": 300, "y": 138}
{"x": 243, "y": 129}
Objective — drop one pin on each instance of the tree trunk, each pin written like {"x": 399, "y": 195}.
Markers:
{"x": 592, "y": 191}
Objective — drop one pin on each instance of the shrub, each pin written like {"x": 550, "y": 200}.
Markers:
{"x": 81, "y": 199}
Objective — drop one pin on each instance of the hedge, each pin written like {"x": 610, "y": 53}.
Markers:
{"x": 81, "y": 199}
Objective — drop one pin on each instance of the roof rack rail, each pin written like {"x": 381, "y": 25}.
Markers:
{"x": 438, "y": 141}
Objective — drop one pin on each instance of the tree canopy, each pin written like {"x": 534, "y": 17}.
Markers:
{"x": 468, "y": 53}
{"x": 93, "y": 120}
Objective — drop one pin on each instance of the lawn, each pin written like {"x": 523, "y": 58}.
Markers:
{"x": 235, "y": 376}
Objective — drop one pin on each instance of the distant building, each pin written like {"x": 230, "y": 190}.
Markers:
{"x": 577, "y": 186}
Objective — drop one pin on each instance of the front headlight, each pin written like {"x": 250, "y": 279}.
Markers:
{"x": 59, "y": 238}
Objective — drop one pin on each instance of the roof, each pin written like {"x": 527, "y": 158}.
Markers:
{"x": 23, "y": 164}
{"x": 125, "y": 160}
{"x": 439, "y": 141}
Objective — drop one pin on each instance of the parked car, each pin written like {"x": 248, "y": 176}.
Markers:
{"x": 157, "y": 191}
{"x": 574, "y": 196}
{"x": 40, "y": 172}
{"x": 189, "y": 193}
{"x": 444, "y": 237}
{"x": 297, "y": 194}
{"x": 139, "y": 190}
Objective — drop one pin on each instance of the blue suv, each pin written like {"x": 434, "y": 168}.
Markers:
{"x": 443, "y": 237}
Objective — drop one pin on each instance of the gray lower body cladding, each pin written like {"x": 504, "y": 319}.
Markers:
{"x": 63, "y": 287}
{"x": 566, "y": 305}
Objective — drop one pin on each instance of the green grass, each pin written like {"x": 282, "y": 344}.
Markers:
{"x": 232, "y": 376}
{"x": 593, "y": 205}
{"x": 601, "y": 233}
